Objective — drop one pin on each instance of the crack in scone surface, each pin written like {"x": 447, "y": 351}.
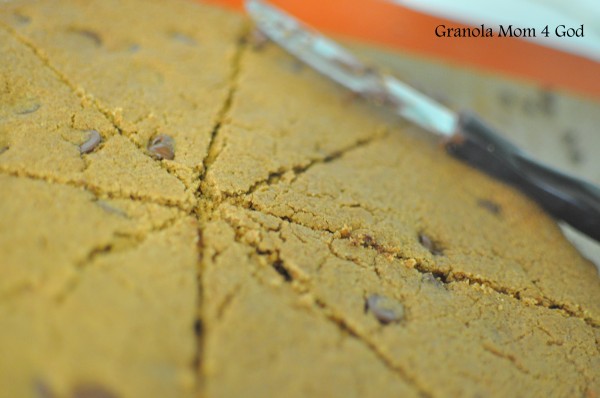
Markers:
{"x": 275, "y": 177}
{"x": 343, "y": 205}
{"x": 122, "y": 241}
{"x": 277, "y": 256}
{"x": 213, "y": 146}
{"x": 257, "y": 267}
{"x": 426, "y": 267}
{"x": 96, "y": 190}
{"x": 205, "y": 197}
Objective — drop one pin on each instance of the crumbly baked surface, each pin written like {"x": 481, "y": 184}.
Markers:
{"x": 247, "y": 265}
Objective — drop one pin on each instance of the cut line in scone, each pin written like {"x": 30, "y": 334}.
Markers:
{"x": 299, "y": 242}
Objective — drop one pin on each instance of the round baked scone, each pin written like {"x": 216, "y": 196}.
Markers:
{"x": 186, "y": 213}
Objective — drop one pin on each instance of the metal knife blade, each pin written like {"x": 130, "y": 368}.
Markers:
{"x": 335, "y": 62}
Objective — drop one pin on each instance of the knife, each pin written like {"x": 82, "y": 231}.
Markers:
{"x": 466, "y": 136}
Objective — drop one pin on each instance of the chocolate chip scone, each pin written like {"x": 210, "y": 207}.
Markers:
{"x": 186, "y": 213}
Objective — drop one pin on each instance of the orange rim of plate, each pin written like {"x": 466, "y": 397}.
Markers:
{"x": 405, "y": 29}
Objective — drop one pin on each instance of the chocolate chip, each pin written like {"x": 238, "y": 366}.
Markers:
{"x": 490, "y": 206}
{"x": 162, "y": 147}
{"x": 94, "y": 139}
{"x": 430, "y": 245}
{"x": 183, "y": 38}
{"x": 134, "y": 48}
{"x": 41, "y": 389}
{"x": 3, "y": 149}
{"x": 386, "y": 310}
{"x": 90, "y": 35}
{"x": 29, "y": 108}
{"x": 92, "y": 391}
{"x": 21, "y": 19}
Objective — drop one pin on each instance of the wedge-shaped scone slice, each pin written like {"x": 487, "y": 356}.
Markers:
{"x": 43, "y": 125}
{"x": 261, "y": 340}
{"x": 96, "y": 294}
{"x": 167, "y": 71}
{"x": 441, "y": 331}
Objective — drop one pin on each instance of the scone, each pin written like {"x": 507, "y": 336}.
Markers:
{"x": 299, "y": 242}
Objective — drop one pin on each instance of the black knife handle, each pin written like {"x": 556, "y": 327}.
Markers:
{"x": 566, "y": 198}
